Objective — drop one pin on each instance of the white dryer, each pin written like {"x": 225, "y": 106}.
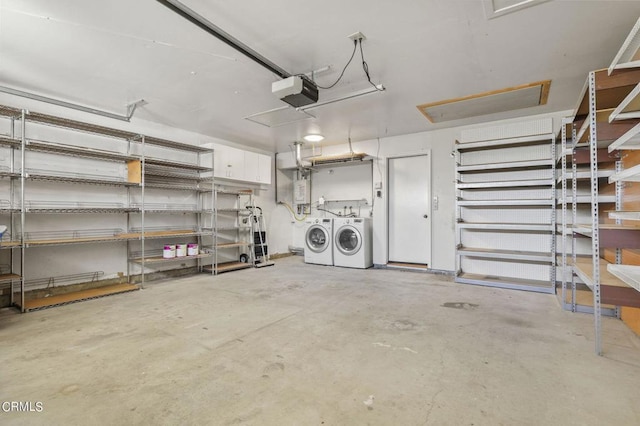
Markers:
{"x": 353, "y": 239}
{"x": 318, "y": 241}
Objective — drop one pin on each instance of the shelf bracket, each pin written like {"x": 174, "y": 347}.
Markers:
{"x": 131, "y": 108}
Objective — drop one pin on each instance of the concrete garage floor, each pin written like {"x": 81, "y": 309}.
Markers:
{"x": 298, "y": 344}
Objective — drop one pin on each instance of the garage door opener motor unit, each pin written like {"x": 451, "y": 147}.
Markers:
{"x": 297, "y": 91}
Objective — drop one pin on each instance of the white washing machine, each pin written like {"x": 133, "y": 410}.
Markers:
{"x": 318, "y": 241}
{"x": 353, "y": 239}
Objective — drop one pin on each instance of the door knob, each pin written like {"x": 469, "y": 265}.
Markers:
{"x": 426, "y": 216}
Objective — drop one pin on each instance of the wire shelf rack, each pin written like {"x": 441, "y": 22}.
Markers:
{"x": 89, "y": 178}
{"x": 155, "y": 256}
{"x": 6, "y": 172}
{"x": 77, "y": 151}
{"x": 173, "y": 172}
{"x": 169, "y": 208}
{"x": 177, "y": 186}
{"x": 62, "y": 280}
{"x": 168, "y": 231}
{"x": 6, "y": 277}
{"x": 7, "y": 141}
{"x": 50, "y": 120}
{"x": 74, "y": 236}
{"x": 174, "y": 166}
{"x": 74, "y": 207}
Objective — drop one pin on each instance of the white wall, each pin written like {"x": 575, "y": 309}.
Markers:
{"x": 284, "y": 231}
{"x": 441, "y": 143}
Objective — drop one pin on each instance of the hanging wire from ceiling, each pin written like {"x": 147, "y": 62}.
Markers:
{"x": 353, "y": 53}
{"x": 365, "y": 67}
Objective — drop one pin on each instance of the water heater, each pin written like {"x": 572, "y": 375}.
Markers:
{"x": 301, "y": 192}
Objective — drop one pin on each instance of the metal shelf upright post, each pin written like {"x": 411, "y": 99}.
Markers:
{"x": 595, "y": 216}
{"x": 605, "y": 124}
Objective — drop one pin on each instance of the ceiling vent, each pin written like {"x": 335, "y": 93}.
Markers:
{"x": 509, "y": 99}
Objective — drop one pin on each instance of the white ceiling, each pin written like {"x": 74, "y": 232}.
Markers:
{"x": 106, "y": 54}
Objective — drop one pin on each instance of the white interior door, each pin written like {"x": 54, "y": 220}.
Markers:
{"x": 410, "y": 209}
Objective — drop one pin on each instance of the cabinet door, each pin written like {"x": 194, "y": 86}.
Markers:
{"x": 257, "y": 167}
{"x": 251, "y": 166}
{"x": 264, "y": 167}
{"x": 229, "y": 163}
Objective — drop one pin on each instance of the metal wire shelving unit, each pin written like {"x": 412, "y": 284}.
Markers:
{"x": 168, "y": 166}
{"x": 231, "y": 235}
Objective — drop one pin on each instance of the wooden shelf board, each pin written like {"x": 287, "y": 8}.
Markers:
{"x": 605, "y": 130}
{"x": 587, "y": 228}
{"x": 9, "y": 277}
{"x": 628, "y": 175}
{"x": 232, "y": 245}
{"x": 78, "y": 296}
{"x": 585, "y": 271}
{"x": 118, "y": 237}
{"x": 629, "y": 140}
{"x": 9, "y": 244}
{"x": 629, "y": 107}
{"x": 613, "y": 291}
{"x": 630, "y": 274}
{"x": 624, "y": 215}
{"x": 229, "y": 266}
{"x": 160, "y": 259}
{"x": 610, "y": 90}
{"x": 583, "y": 298}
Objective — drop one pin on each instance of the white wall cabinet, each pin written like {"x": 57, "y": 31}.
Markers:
{"x": 236, "y": 164}
{"x": 257, "y": 167}
{"x": 229, "y": 163}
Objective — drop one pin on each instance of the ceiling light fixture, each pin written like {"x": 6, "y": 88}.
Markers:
{"x": 313, "y": 138}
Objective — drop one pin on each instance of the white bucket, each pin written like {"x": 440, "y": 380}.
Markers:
{"x": 192, "y": 249}
{"x": 169, "y": 252}
{"x": 181, "y": 250}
